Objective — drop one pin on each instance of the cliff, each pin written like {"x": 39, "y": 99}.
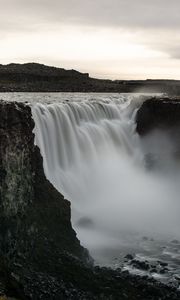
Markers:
{"x": 40, "y": 256}
{"x": 35, "y": 226}
{"x": 33, "y": 77}
{"x": 158, "y": 113}
{"x": 158, "y": 124}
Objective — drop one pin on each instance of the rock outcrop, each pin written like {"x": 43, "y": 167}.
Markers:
{"x": 158, "y": 113}
{"x": 158, "y": 124}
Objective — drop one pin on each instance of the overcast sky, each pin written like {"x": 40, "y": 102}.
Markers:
{"x": 107, "y": 38}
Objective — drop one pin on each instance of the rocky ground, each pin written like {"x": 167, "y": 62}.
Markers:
{"x": 40, "y": 255}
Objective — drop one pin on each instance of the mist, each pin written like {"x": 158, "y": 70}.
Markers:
{"x": 120, "y": 186}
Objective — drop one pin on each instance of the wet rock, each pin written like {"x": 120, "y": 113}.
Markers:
{"x": 153, "y": 270}
{"x": 158, "y": 113}
{"x": 162, "y": 271}
{"x": 159, "y": 116}
{"x": 142, "y": 265}
{"x": 129, "y": 257}
{"x": 162, "y": 263}
{"x": 177, "y": 278}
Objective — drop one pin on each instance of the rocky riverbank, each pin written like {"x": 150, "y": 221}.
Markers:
{"x": 40, "y": 255}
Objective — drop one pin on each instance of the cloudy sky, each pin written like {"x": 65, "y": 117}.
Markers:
{"x": 127, "y": 39}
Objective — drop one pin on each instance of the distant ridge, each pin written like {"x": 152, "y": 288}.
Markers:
{"x": 35, "y": 77}
{"x": 39, "y": 69}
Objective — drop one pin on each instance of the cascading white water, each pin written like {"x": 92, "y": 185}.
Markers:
{"x": 93, "y": 156}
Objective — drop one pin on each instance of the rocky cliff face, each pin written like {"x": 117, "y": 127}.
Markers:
{"x": 158, "y": 113}
{"x": 35, "y": 226}
{"x": 16, "y": 189}
{"x": 158, "y": 124}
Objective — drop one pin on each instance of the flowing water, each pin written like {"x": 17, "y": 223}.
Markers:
{"x": 93, "y": 155}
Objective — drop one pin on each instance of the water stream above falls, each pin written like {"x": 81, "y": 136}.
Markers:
{"x": 93, "y": 156}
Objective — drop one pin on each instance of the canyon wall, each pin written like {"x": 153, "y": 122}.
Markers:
{"x": 35, "y": 225}
{"x": 158, "y": 113}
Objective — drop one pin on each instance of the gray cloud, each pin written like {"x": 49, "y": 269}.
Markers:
{"x": 155, "y": 22}
{"x": 123, "y": 13}
{"x": 167, "y": 41}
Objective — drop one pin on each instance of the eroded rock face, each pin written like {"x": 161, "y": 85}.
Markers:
{"x": 158, "y": 113}
{"x": 158, "y": 124}
{"x": 35, "y": 226}
{"x": 16, "y": 189}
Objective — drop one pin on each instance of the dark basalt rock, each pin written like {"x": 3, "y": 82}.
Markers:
{"x": 158, "y": 124}
{"x": 129, "y": 257}
{"x": 142, "y": 265}
{"x": 40, "y": 256}
{"x": 35, "y": 227}
{"x": 158, "y": 113}
{"x": 162, "y": 263}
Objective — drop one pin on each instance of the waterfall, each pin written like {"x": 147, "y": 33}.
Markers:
{"x": 93, "y": 156}
{"x": 73, "y": 135}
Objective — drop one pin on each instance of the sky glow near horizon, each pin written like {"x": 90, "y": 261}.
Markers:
{"x": 123, "y": 39}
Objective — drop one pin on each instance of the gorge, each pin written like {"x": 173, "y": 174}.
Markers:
{"x": 93, "y": 155}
